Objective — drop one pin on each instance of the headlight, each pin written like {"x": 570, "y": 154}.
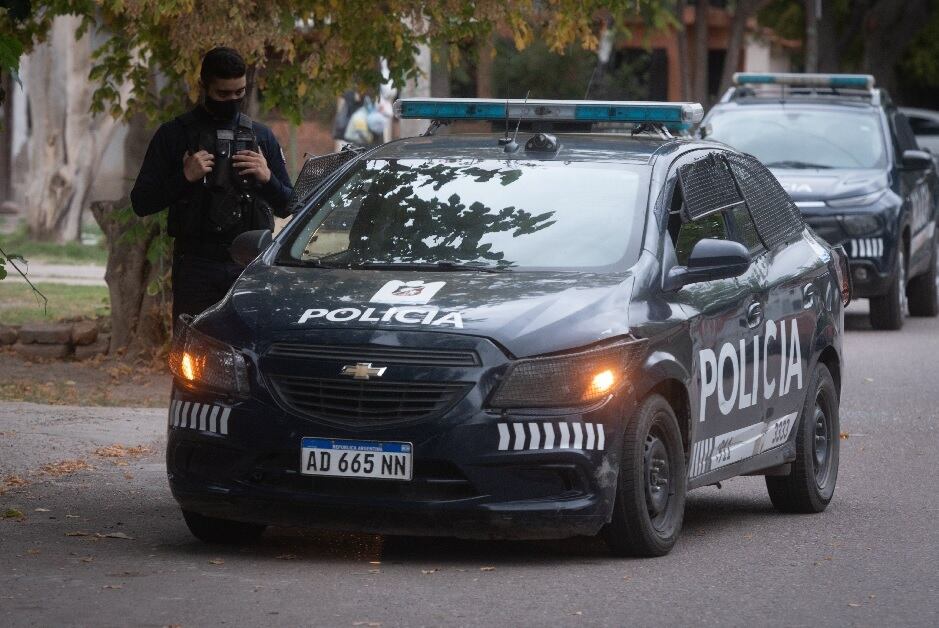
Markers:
{"x": 198, "y": 361}
{"x": 857, "y": 201}
{"x": 861, "y": 224}
{"x": 569, "y": 379}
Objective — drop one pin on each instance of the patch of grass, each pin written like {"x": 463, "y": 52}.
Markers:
{"x": 50, "y": 252}
{"x": 18, "y": 303}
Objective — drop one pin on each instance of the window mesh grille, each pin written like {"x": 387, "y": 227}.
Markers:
{"x": 314, "y": 172}
{"x": 707, "y": 185}
{"x": 776, "y": 217}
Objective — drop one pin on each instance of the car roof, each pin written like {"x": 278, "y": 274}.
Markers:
{"x": 599, "y": 147}
{"x": 816, "y": 102}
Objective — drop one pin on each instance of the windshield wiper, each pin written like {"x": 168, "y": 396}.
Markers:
{"x": 442, "y": 266}
{"x": 802, "y": 165}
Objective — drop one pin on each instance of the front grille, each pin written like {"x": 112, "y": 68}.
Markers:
{"x": 367, "y": 402}
{"x": 374, "y": 353}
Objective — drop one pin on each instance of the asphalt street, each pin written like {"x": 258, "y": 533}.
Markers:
{"x": 869, "y": 560}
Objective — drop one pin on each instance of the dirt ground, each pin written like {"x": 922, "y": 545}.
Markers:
{"x": 99, "y": 382}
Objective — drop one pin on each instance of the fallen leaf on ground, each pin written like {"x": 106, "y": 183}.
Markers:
{"x": 487, "y": 568}
{"x": 853, "y": 605}
{"x": 12, "y": 513}
{"x": 844, "y": 436}
{"x": 72, "y": 516}
{"x": 40, "y": 510}
{"x": 286, "y": 556}
{"x": 115, "y": 535}
{"x": 121, "y": 451}
{"x": 374, "y": 562}
{"x": 577, "y": 613}
{"x": 77, "y": 533}
{"x": 112, "y": 586}
{"x": 14, "y": 480}
{"x": 64, "y": 467}
{"x": 87, "y": 559}
{"x": 33, "y": 551}
{"x": 374, "y": 570}
{"x": 217, "y": 561}
{"x": 427, "y": 571}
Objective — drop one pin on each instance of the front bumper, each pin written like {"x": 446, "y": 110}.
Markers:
{"x": 241, "y": 461}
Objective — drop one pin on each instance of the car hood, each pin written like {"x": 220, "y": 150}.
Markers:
{"x": 528, "y": 313}
{"x": 823, "y": 185}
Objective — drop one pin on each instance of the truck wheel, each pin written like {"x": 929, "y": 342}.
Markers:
{"x": 222, "y": 531}
{"x": 922, "y": 291}
{"x": 887, "y": 312}
{"x": 811, "y": 484}
{"x": 650, "y": 492}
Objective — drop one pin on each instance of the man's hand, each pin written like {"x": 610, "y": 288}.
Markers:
{"x": 249, "y": 162}
{"x": 197, "y": 166}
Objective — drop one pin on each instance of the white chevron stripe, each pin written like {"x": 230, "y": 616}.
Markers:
{"x": 224, "y": 427}
{"x": 519, "y": 436}
{"x": 590, "y": 436}
{"x": 535, "y": 436}
{"x": 578, "y": 435}
{"x": 503, "y": 437}
{"x": 565, "y": 436}
{"x": 601, "y": 437}
{"x": 213, "y": 418}
{"x": 184, "y": 418}
{"x": 548, "y": 435}
{"x": 880, "y": 248}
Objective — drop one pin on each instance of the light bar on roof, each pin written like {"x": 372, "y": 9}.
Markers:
{"x": 548, "y": 110}
{"x": 855, "y": 81}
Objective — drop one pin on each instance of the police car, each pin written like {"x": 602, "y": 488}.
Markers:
{"x": 515, "y": 334}
{"x": 852, "y": 164}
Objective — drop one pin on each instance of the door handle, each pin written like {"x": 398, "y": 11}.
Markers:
{"x": 808, "y": 296}
{"x": 754, "y": 314}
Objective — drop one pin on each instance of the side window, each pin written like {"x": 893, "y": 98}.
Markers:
{"x": 923, "y": 126}
{"x": 711, "y": 226}
{"x": 905, "y": 140}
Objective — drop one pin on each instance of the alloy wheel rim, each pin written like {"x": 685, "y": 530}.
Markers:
{"x": 823, "y": 442}
{"x": 658, "y": 481}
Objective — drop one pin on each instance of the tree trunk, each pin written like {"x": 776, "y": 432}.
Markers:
{"x": 684, "y": 63}
{"x": 701, "y": 52}
{"x": 139, "y": 321}
{"x": 744, "y": 10}
{"x": 67, "y": 142}
{"x": 812, "y": 9}
{"x": 829, "y": 50}
{"x": 484, "y": 63}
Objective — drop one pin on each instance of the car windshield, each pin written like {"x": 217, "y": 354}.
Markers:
{"x": 489, "y": 215}
{"x": 786, "y": 137}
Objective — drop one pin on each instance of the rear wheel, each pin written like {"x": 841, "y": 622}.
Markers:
{"x": 222, "y": 531}
{"x": 922, "y": 291}
{"x": 811, "y": 484}
{"x": 888, "y": 311}
{"x": 650, "y": 494}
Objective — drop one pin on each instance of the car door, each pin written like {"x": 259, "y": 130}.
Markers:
{"x": 723, "y": 315}
{"x": 793, "y": 278}
{"x": 917, "y": 196}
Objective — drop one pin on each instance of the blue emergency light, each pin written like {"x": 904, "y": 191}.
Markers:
{"x": 845, "y": 81}
{"x": 548, "y": 110}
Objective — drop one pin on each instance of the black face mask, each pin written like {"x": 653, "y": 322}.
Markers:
{"x": 223, "y": 109}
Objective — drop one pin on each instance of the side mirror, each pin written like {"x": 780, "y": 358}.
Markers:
{"x": 916, "y": 160}
{"x": 249, "y": 245}
{"x": 710, "y": 260}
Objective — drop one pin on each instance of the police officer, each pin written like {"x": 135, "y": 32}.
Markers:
{"x": 220, "y": 174}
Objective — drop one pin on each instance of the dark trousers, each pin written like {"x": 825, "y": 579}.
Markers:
{"x": 199, "y": 283}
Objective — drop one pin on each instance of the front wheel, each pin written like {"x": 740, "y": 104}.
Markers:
{"x": 650, "y": 494}
{"x": 810, "y": 485}
{"x": 222, "y": 531}
{"x": 888, "y": 311}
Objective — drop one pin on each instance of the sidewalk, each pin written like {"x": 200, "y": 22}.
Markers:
{"x": 76, "y": 275}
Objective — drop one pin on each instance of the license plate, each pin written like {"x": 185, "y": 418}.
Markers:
{"x": 379, "y": 460}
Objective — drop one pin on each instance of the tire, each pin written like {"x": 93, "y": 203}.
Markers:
{"x": 650, "y": 493}
{"x": 922, "y": 292}
{"x": 888, "y": 311}
{"x": 811, "y": 484}
{"x": 222, "y": 531}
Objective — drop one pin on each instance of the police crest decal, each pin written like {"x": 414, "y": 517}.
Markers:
{"x": 397, "y": 292}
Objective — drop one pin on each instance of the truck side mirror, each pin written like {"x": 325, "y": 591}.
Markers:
{"x": 249, "y": 245}
{"x": 916, "y": 160}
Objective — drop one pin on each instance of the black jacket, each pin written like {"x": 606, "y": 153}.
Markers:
{"x": 161, "y": 182}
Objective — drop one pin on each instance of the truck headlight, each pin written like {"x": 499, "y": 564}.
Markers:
{"x": 568, "y": 379}
{"x": 857, "y": 201}
{"x": 861, "y": 224}
{"x": 199, "y": 361}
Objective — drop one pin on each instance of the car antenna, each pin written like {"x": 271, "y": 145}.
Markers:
{"x": 511, "y": 146}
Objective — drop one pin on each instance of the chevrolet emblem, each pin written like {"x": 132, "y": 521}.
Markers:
{"x": 363, "y": 370}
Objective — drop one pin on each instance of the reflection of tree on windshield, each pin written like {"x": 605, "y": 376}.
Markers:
{"x": 395, "y": 222}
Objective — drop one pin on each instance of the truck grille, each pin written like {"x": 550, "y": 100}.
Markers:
{"x": 367, "y": 403}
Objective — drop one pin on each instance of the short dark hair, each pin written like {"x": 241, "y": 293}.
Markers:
{"x": 221, "y": 63}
